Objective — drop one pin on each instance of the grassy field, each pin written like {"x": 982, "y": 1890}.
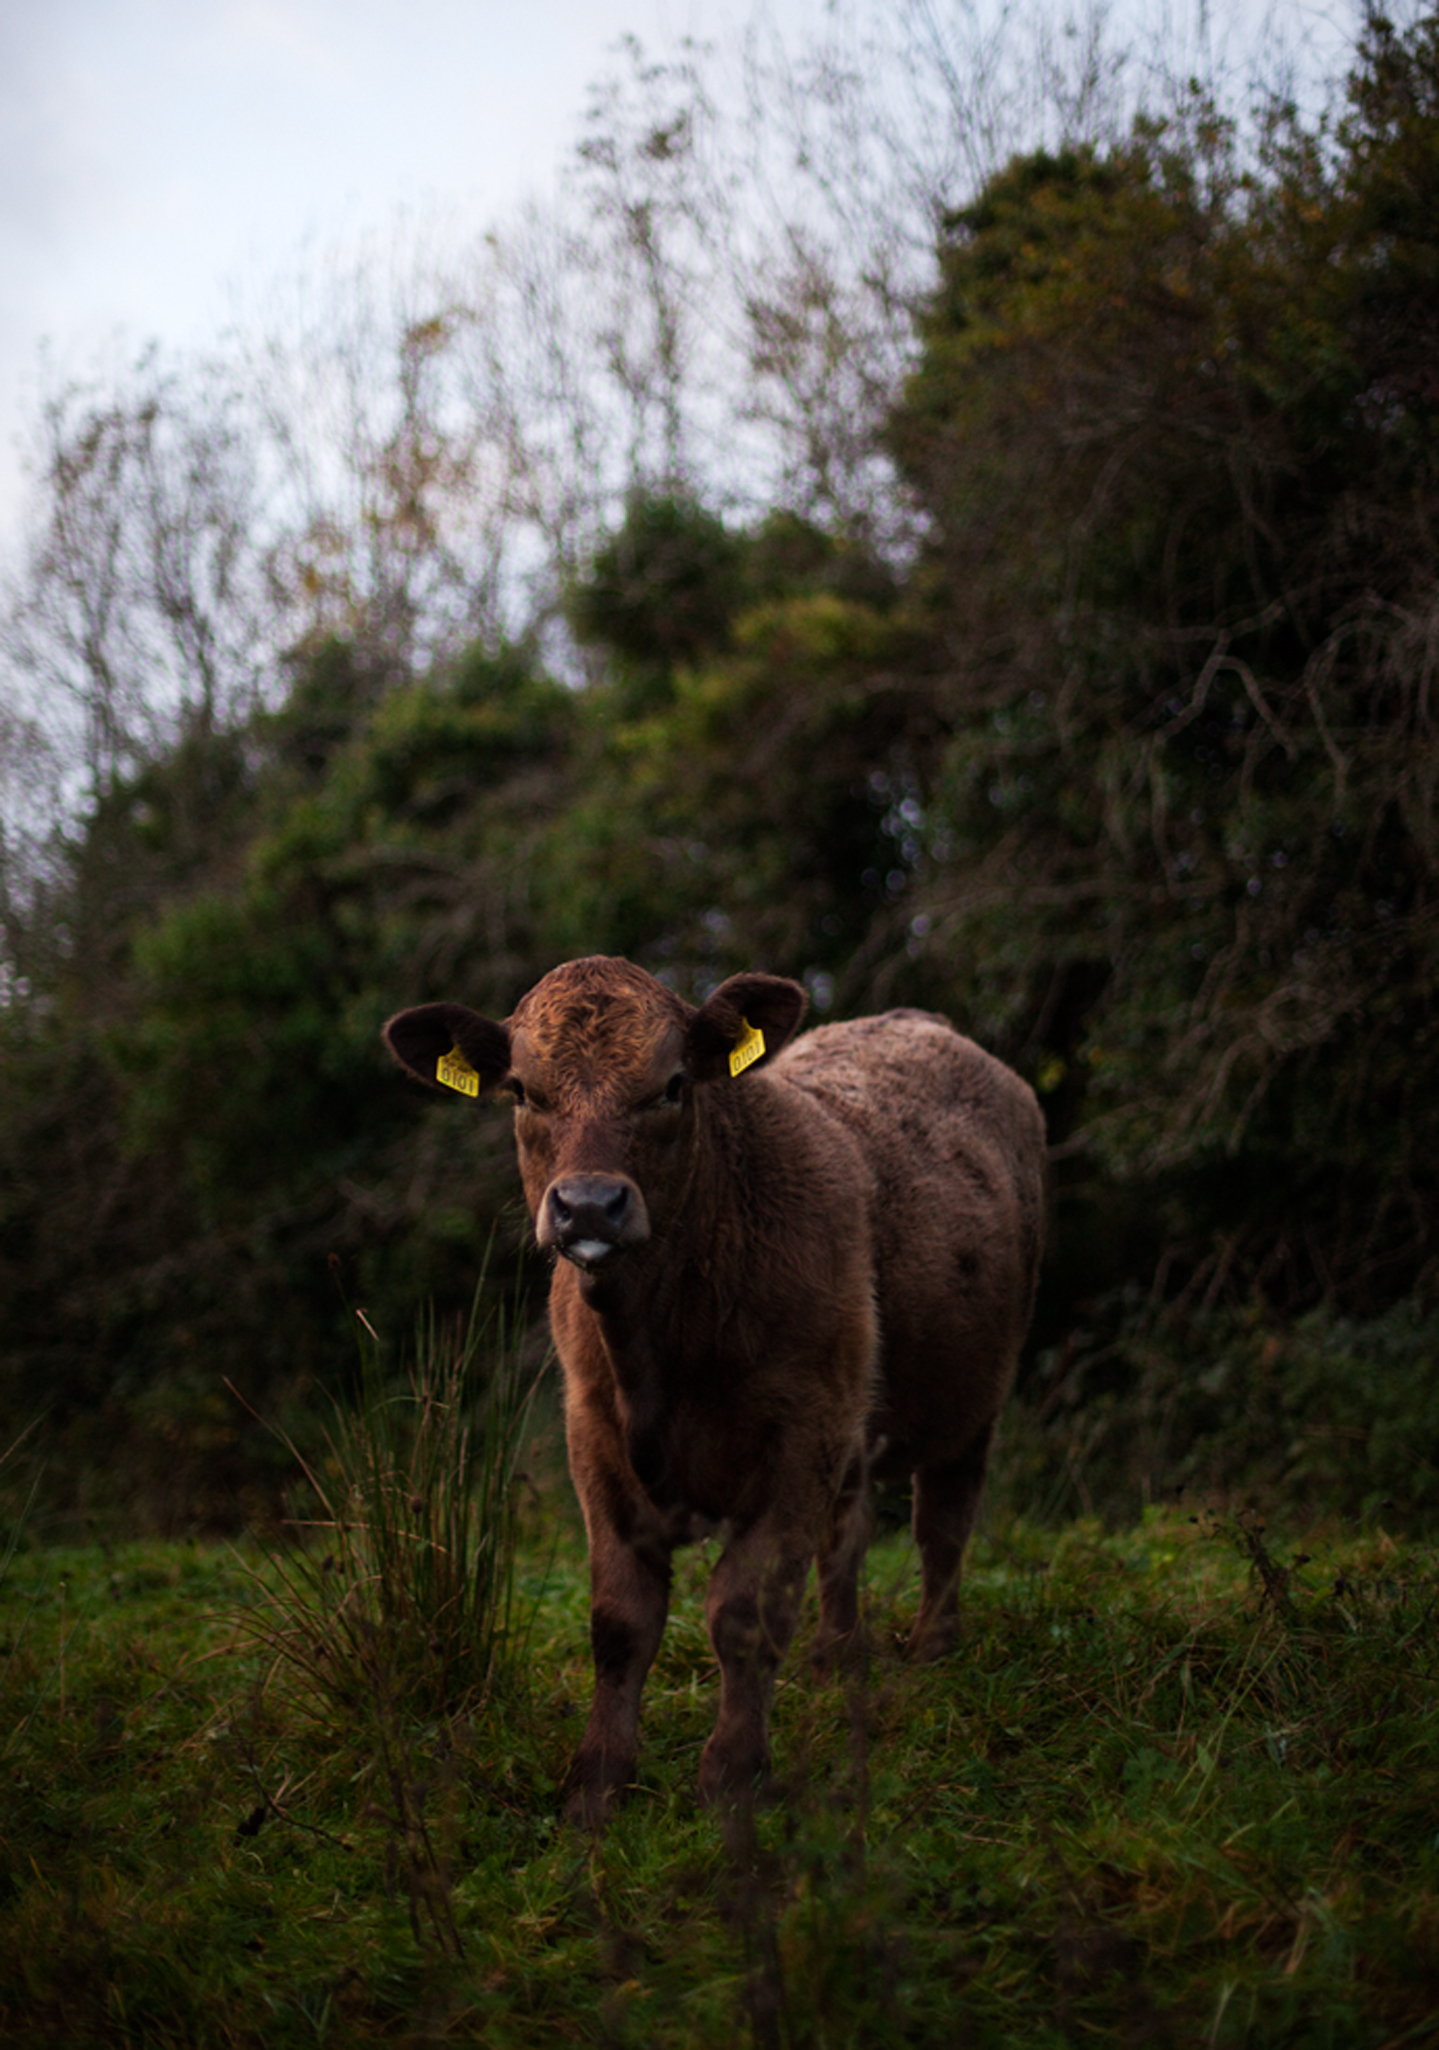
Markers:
{"x": 1180, "y": 1785}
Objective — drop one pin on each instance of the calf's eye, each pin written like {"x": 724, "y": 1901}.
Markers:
{"x": 674, "y": 1088}
{"x": 516, "y": 1088}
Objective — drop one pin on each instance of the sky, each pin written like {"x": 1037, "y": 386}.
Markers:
{"x": 162, "y": 159}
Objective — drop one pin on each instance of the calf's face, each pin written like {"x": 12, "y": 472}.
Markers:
{"x": 607, "y": 1068}
{"x": 602, "y": 1117}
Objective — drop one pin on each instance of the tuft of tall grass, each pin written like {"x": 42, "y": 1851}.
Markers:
{"x": 13, "y": 1639}
{"x": 398, "y": 1595}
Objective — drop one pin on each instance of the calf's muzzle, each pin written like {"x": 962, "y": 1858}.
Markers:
{"x": 590, "y": 1217}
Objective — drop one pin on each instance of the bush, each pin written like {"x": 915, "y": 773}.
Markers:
{"x": 1327, "y": 1417}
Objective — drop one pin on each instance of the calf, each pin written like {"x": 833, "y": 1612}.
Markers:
{"x": 781, "y": 1265}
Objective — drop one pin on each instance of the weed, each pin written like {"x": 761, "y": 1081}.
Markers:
{"x": 393, "y": 1614}
{"x": 399, "y": 1597}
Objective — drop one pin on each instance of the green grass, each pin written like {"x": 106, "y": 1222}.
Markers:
{"x": 1159, "y": 1796}
{"x": 399, "y": 1604}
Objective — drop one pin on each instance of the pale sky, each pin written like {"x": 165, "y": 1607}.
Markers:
{"x": 159, "y": 158}
{"x": 163, "y": 160}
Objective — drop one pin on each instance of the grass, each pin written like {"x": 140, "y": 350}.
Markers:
{"x": 400, "y": 1604}
{"x": 394, "y": 1621}
{"x": 1178, "y": 1786}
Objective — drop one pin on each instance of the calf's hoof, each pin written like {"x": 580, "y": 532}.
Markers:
{"x": 932, "y": 1638}
{"x": 594, "y": 1788}
{"x": 733, "y": 1779}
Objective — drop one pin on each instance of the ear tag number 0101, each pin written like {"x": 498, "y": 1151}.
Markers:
{"x": 456, "y": 1073}
{"x": 747, "y": 1049}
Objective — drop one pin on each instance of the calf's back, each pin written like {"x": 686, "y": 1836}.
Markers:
{"x": 955, "y": 1145}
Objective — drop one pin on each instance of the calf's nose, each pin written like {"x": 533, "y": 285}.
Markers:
{"x": 587, "y": 1217}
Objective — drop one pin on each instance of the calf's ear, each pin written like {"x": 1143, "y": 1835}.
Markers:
{"x": 745, "y": 1023}
{"x": 427, "y": 1040}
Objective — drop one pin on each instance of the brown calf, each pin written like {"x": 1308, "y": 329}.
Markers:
{"x": 783, "y": 1267}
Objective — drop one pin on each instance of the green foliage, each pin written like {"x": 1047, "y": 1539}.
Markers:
{"x": 332, "y": 688}
{"x": 739, "y": 824}
{"x": 1184, "y": 509}
{"x": 1391, "y": 135}
{"x": 200, "y": 1099}
{"x": 1321, "y": 1416}
{"x": 659, "y": 594}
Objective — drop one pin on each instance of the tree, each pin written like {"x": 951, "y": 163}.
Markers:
{"x": 1181, "y": 472}
{"x": 659, "y": 595}
{"x": 141, "y": 610}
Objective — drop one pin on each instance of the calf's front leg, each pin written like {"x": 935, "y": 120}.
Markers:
{"x": 629, "y": 1600}
{"x": 752, "y": 1608}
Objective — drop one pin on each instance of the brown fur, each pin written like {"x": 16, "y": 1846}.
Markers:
{"x": 774, "y": 1283}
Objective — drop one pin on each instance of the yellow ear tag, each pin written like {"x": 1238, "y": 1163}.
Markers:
{"x": 747, "y": 1049}
{"x": 456, "y": 1073}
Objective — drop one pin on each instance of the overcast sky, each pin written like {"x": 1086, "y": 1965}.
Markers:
{"x": 163, "y": 160}
{"x": 159, "y": 158}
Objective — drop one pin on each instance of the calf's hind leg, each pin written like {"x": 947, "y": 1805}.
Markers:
{"x": 946, "y": 1502}
{"x": 841, "y": 1552}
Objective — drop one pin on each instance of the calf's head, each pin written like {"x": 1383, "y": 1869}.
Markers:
{"x": 608, "y": 1070}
